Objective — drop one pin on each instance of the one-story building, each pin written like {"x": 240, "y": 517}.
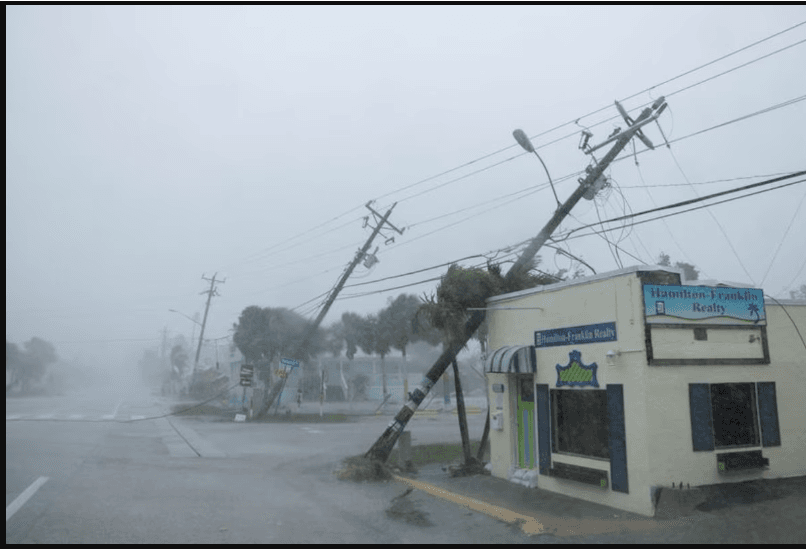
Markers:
{"x": 609, "y": 387}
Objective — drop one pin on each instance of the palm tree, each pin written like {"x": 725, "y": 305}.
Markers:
{"x": 754, "y": 310}
{"x": 458, "y": 290}
{"x": 461, "y": 289}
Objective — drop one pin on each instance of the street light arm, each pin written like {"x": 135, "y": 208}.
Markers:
{"x": 183, "y": 315}
{"x": 549, "y": 175}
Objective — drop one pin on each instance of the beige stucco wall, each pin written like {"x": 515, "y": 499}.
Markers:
{"x": 610, "y": 300}
{"x": 671, "y": 451}
{"x": 656, "y": 402}
{"x": 502, "y": 442}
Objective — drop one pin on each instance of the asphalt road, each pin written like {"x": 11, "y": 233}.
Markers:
{"x": 113, "y": 477}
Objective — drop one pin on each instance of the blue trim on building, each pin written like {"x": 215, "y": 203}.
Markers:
{"x": 618, "y": 439}
{"x": 702, "y": 432}
{"x": 543, "y": 428}
{"x": 768, "y": 412}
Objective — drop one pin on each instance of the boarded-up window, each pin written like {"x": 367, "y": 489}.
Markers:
{"x": 735, "y": 418}
{"x": 580, "y": 422}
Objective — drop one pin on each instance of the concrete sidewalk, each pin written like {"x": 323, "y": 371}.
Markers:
{"x": 760, "y": 512}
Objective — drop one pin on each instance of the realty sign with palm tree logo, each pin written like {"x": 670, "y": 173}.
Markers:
{"x": 682, "y": 303}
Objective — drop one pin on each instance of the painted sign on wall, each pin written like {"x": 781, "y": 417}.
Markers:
{"x": 576, "y": 373}
{"x": 686, "y": 303}
{"x": 581, "y": 334}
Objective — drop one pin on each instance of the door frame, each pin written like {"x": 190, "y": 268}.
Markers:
{"x": 530, "y": 440}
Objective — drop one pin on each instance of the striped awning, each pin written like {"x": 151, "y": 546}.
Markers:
{"x": 512, "y": 359}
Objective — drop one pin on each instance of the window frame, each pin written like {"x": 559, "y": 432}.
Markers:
{"x": 755, "y": 416}
{"x": 556, "y": 430}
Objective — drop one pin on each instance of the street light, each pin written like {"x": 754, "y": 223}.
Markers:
{"x": 524, "y": 141}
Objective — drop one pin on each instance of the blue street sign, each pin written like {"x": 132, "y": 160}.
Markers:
{"x": 289, "y": 362}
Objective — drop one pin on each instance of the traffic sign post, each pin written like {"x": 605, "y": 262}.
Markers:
{"x": 247, "y": 373}
{"x": 287, "y": 365}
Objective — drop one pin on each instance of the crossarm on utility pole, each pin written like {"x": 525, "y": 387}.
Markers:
{"x": 382, "y": 447}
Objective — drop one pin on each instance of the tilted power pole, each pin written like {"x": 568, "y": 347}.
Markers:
{"x": 382, "y": 447}
{"x": 209, "y": 294}
{"x": 359, "y": 256}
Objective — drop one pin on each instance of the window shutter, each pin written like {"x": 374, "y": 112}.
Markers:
{"x": 543, "y": 428}
{"x": 702, "y": 434}
{"x": 768, "y": 412}
{"x": 618, "y": 439}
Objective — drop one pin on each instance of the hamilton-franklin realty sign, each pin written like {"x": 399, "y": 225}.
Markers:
{"x": 681, "y": 303}
{"x": 581, "y": 334}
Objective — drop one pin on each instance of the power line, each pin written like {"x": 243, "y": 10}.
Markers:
{"x": 713, "y": 217}
{"x": 620, "y": 218}
{"x": 106, "y": 341}
{"x": 416, "y": 271}
{"x": 707, "y": 182}
{"x": 697, "y": 200}
{"x": 672, "y": 93}
{"x": 786, "y": 103}
{"x": 486, "y": 156}
{"x": 687, "y": 210}
{"x": 797, "y": 275}
{"x": 635, "y": 154}
{"x": 781, "y": 242}
{"x": 539, "y": 188}
{"x": 665, "y": 224}
{"x": 568, "y": 235}
{"x": 737, "y": 67}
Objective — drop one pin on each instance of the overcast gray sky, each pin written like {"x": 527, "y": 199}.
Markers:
{"x": 148, "y": 145}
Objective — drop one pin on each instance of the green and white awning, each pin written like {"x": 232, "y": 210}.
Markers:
{"x": 512, "y": 359}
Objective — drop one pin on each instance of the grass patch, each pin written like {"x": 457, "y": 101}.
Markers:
{"x": 425, "y": 454}
{"x": 359, "y": 469}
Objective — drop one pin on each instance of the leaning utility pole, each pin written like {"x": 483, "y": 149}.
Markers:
{"x": 382, "y": 447}
{"x": 210, "y": 295}
{"x": 359, "y": 256}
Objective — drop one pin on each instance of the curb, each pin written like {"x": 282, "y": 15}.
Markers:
{"x": 530, "y": 525}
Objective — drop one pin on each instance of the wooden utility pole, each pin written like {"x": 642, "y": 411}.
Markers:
{"x": 359, "y": 256}
{"x": 209, "y": 294}
{"x": 382, "y": 447}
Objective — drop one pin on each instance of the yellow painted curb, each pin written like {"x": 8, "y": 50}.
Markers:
{"x": 530, "y": 525}
{"x": 469, "y": 411}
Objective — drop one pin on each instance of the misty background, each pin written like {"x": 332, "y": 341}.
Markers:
{"x": 147, "y": 146}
